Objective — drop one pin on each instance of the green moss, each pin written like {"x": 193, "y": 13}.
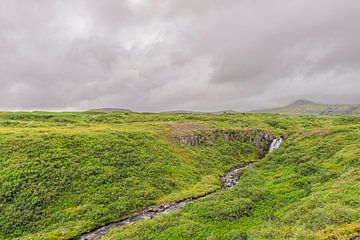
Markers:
{"x": 64, "y": 173}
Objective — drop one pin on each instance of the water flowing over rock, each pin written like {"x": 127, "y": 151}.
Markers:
{"x": 275, "y": 144}
{"x": 231, "y": 178}
{"x": 228, "y": 180}
{"x": 261, "y": 139}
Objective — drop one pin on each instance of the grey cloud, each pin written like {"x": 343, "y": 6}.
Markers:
{"x": 199, "y": 55}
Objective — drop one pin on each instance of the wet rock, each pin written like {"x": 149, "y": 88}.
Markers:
{"x": 261, "y": 139}
{"x": 230, "y": 178}
{"x": 161, "y": 207}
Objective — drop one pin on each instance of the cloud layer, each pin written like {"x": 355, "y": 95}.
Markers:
{"x": 152, "y": 55}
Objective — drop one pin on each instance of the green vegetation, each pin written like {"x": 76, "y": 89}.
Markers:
{"x": 62, "y": 174}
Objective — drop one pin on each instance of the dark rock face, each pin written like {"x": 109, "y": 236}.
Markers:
{"x": 261, "y": 139}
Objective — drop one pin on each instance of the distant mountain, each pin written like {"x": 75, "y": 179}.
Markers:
{"x": 195, "y": 112}
{"x": 109, "y": 110}
{"x": 304, "y": 102}
{"x": 225, "y": 111}
{"x": 181, "y": 111}
{"x": 308, "y": 107}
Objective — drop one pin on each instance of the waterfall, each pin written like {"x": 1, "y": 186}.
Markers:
{"x": 275, "y": 144}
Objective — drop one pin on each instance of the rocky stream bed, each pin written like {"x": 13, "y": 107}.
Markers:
{"x": 263, "y": 142}
{"x": 228, "y": 180}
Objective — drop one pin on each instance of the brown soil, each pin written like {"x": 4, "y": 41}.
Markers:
{"x": 312, "y": 132}
{"x": 181, "y": 129}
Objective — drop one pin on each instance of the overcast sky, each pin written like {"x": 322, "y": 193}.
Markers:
{"x": 151, "y": 55}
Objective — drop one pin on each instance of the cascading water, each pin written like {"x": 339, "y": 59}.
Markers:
{"x": 228, "y": 180}
{"x": 275, "y": 144}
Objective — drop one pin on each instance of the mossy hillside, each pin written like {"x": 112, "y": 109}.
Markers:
{"x": 65, "y": 173}
{"x": 58, "y": 182}
{"x": 307, "y": 189}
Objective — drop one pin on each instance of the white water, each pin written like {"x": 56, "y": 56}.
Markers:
{"x": 229, "y": 180}
{"x": 275, "y": 144}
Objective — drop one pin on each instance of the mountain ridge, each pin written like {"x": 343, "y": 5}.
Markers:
{"x": 109, "y": 110}
{"x": 303, "y": 106}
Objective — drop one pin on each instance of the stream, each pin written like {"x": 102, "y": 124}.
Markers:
{"x": 228, "y": 180}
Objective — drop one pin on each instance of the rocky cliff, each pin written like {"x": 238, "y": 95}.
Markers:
{"x": 261, "y": 139}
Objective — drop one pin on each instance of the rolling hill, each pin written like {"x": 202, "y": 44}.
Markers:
{"x": 109, "y": 110}
{"x": 309, "y": 107}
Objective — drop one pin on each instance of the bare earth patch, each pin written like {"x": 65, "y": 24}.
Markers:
{"x": 311, "y": 132}
{"x": 181, "y": 129}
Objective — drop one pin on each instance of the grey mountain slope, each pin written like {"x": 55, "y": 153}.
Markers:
{"x": 109, "y": 110}
{"x": 309, "y": 107}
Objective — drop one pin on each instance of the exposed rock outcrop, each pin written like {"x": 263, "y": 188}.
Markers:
{"x": 190, "y": 137}
{"x": 261, "y": 139}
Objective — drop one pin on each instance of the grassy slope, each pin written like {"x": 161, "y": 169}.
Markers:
{"x": 61, "y": 174}
{"x": 308, "y": 189}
